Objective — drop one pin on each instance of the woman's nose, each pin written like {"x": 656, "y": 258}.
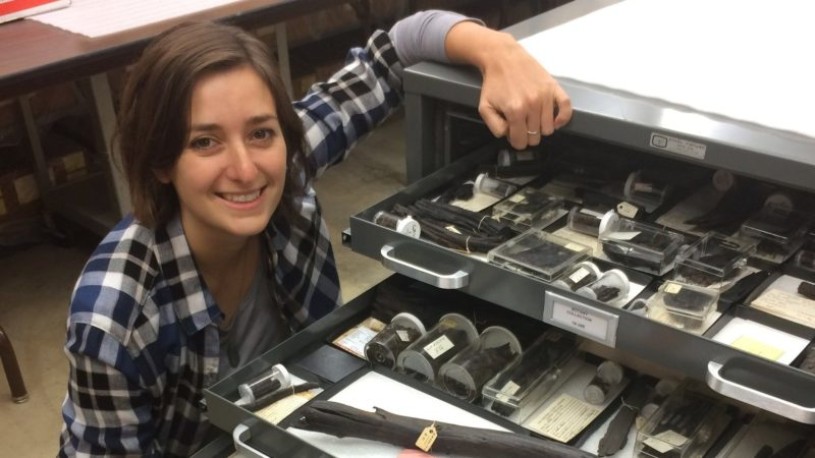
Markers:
{"x": 241, "y": 166}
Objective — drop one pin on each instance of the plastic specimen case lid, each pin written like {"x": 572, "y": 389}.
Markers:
{"x": 458, "y": 372}
{"x": 539, "y": 254}
{"x": 530, "y": 207}
{"x": 685, "y": 425}
{"x": 641, "y": 246}
{"x": 777, "y": 224}
{"x": 538, "y": 365}
{"x": 716, "y": 254}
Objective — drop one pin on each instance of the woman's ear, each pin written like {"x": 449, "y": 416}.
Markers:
{"x": 163, "y": 176}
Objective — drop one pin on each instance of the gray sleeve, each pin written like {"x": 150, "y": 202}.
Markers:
{"x": 421, "y": 36}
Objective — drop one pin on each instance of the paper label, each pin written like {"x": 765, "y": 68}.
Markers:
{"x": 281, "y": 409}
{"x": 627, "y": 210}
{"x": 673, "y": 288}
{"x": 438, "y": 347}
{"x": 623, "y": 235}
{"x": 758, "y": 348}
{"x": 354, "y": 340}
{"x": 403, "y": 335}
{"x": 784, "y": 304}
{"x": 516, "y": 198}
{"x": 426, "y": 439}
{"x": 564, "y": 418}
{"x": 510, "y": 388}
{"x": 581, "y": 320}
{"x": 678, "y": 145}
{"x": 666, "y": 441}
{"x": 579, "y": 275}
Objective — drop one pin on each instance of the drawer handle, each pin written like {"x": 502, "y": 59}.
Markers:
{"x": 455, "y": 280}
{"x": 717, "y": 380}
{"x": 240, "y": 435}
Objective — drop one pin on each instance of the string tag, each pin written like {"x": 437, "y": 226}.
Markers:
{"x": 428, "y": 436}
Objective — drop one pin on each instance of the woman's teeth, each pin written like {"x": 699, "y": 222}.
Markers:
{"x": 242, "y": 197}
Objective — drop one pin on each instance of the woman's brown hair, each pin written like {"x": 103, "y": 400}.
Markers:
{"x": 154, "y": 110}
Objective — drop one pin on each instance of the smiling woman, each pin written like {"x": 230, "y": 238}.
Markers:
{"x": 230, "y": 175}
{"x": 226, "y": 252}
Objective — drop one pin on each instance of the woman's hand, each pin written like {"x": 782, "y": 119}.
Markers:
{"x": 519, "y": 98}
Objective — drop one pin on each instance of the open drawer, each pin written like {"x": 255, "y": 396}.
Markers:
{"x": 312, "y": 355}
{"x": 777, "y": 386}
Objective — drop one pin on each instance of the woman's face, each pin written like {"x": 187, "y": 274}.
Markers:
{"x": 230, "y": 175}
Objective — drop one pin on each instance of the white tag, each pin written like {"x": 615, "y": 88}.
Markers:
{"x": 673, "y": 288}
{"x": 438, "y": 347}
{"x": 579, "y": 275}
{"x": 510, "y": 388}
{"x": 403, "y": 335}
{"x": 627, "y": 210}
{"x": 666, "y": 441}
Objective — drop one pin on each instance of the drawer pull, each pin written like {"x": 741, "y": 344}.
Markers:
{"x": 240, "y": 435}
{"x": 455, "y": 280}
{"x": 764, "y": 385}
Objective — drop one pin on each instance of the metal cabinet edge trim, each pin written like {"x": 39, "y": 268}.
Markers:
{"x": 719, "y": 383}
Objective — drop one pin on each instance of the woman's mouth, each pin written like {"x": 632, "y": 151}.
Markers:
{"x": 242, "y": 198}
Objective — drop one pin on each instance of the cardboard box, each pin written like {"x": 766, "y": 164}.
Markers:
{"x": 19, "y": 195}
{"x": 66, "y": 159}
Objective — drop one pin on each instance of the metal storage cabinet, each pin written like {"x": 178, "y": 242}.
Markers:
{"x": 436, "y": 95}
{"x": 610, "y": 116}
{"x": 439, "y": 97}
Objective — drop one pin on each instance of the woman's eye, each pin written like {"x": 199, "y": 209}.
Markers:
{"x": 262, "y": 134}
{"x": 201, "y": 143}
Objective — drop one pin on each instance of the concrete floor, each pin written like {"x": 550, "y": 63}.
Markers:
{"x": 35, "y": 285}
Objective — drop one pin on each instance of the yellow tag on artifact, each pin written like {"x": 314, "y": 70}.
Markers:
{"x": 428, "y": 436}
